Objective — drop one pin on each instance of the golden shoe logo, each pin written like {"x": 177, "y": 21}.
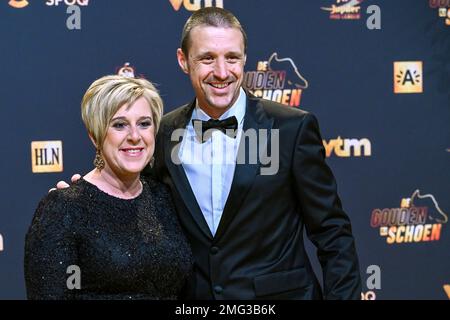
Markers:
{"x": 348, "y": 147}
{"x": 344, "y": 10}
{"x": 46, "y": 156}
{"x": 277, "y": 79}
{"x": 410, "y": 223}
{"x": 194, "y": 5}
{"x": 19, "y": 4}
{"x": 408, "y": 77}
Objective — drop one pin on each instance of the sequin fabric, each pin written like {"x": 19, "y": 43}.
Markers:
{"x": 125, "y": 249}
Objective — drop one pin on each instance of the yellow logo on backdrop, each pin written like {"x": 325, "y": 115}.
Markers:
{"x": 344, "y": 147}
{"x": 19, "y": 4}
{"x": 194, "y": 5}
{"x": 344, "y": 9}
{"x": 46, "y": 156}
{"x": 411, "y": 222}
{"x": 126, "y": 71}
{"x": 447, "y": 290}
{"x": 408, "y": 77}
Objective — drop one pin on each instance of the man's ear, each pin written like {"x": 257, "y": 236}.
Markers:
{"x": 182, "y": 60}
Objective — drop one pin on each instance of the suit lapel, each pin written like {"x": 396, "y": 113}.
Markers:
{"x": 177, "y": 172}
{"x": 244, "y": 174}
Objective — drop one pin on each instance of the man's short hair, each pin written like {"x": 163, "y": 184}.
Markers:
{"x": 213, "y": 17}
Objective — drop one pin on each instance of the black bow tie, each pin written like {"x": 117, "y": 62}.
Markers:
{"x": 229, "y": 124}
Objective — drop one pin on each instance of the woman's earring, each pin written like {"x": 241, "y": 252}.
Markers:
{"x": 99, "y": 163}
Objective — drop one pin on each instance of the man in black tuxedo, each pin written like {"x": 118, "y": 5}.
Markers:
{"x": 245, "y": 219}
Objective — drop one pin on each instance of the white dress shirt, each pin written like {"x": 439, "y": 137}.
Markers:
{"x": 210, "y": 165}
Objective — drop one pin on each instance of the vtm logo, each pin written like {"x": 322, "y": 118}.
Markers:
{"x": 46, "y": 156}
{"x": 343, "y": 147}
{"x": 408, "y": 77}
{"x": 277, "y": 79}
{"x": 410, "y": 222}
{"x": 18, "y": 4}
{"x": 194, "y": 5}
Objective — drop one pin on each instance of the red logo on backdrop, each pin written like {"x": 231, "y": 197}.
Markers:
{"x": 127, "y": 70}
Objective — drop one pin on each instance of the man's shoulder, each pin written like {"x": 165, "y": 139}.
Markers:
{"x": 279, "y": 111}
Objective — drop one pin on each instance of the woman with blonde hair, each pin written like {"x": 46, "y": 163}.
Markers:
{"x": 111, "y": 234}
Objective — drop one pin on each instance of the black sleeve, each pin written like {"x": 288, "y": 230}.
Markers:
{"x": 327, "y": 225}
{"x": 50, "y": 248}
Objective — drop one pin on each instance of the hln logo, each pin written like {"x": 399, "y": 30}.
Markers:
{"x": 46, "y": 156}
{"x": 408, "y": 77}
{"x": 194, "y": 5}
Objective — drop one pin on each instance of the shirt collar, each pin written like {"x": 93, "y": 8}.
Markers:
{"x": 237, "y": 110}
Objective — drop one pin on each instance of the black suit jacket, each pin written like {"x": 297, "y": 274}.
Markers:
{"x": 258, "y": 250}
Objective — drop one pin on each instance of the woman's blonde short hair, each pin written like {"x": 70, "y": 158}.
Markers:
{"x": 107, "y": 95}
